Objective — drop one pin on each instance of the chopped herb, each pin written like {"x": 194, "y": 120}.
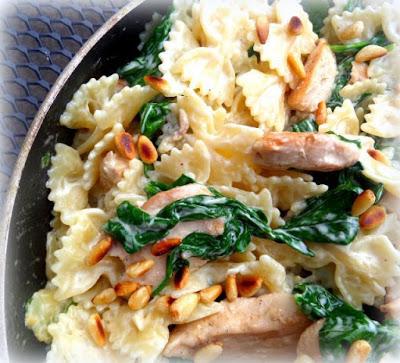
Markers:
{"x": 45, "y": 161}
{"x": 67, "y": 305}
{"x": 148, "y": 60}
{"x": 326, "y": 219}
{"x": 251, "y": 52}
{"x": 344, "y": 324}
{"x": 155, "y": 187}
{"x": 152, "y": 117}
{"x": 306, "y": 125}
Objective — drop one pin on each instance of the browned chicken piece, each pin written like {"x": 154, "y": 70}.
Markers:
{"x": 246, "y": 324}
{"x": 318, "y": 83}
{"x": 309, "y": 342}
{"x": 359, "y": 72}
{"x": 156, "y": 274}
{"x": 304, "y": 151}
{"x": 112, "y": 168}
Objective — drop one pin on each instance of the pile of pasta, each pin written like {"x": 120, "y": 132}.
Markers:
{"x": 230, "y": 97}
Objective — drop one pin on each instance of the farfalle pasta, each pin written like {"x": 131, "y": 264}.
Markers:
{"x": 230, "y": 185}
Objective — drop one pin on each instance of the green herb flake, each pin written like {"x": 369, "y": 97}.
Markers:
{"x": 152, "y": 117}
{"x": 344, "y": 324}
{"x": 45, "y": 161}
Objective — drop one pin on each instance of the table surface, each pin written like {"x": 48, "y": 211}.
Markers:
{"x": 37, "y": 40}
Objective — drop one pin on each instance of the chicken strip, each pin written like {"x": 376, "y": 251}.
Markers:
{"x": 244, "y": 323}
{"x": 112, "y": 168}
{"x": 318, "y": 84}
{"x": 213, "y": 227}
{"x": 304, "y": 151}
{"x": 309, "y": 342}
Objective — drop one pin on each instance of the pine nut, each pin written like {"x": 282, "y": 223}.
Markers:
{"x": 296, "y": 65}
{"x": 363, "y": 202}
{"x": 352, "y": 31}
{"x": 231, "y": 289}
{"x": 262, "y": 26}
{"x": 210, "y": 294}
{"x": 99, "y": 251}
{"x": 320, "y": 114}
{"x": 140, "y": 298}
{"x": 372, "y": 218}
{"x": 125, "y": 146}
{"x": 358, "y": 352}
{"x": 379, "y": 156}
{"x": 208, "y": 354}
{"x": 157, "y": 83}
{"x": 182, "y": 277}
{"x": 370, "y": 52}
{"x": 164, "y": 246}
{"x": 183, "y": 307}
{"x": 96, "y": 330}
{"x": 138, "y": 269}
{"x": 147, "y": 151}
{"x": 295, "y": 26}
{"x": 125, "y": 288}
{"x": 248, "y": 285}
{"x": 163, "y": 303}
{"x": 107, "y": 296}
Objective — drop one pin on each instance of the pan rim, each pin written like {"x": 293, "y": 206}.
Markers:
{"x": 14, "y": 182}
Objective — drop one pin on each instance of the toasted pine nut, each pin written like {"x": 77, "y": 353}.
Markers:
{"x": 379, "y": 156}
{"x": 370, "y": 52}
{"x": 96, "y": 330}
{"x": 248, "y": 285}
{"x": 182, "y": 277}
{"x": 363, "y": 202}
{"x": 208, "y": 354}
{"x": 231, "y": 289}
{"x": 358, "y": 352}
{"x": 320, "y": 114}
{"x": 147, "y": 151}
{"x": 210, "y": 294}
{"x": 139, "y": 298}
{"x": 352, "y": 31}
{"x": 98, "y": 252}
{"x": 125, "y": 146}
{"x": 262, "y": 26}
{"x": 373, "y": 217}
{"x": 107, "y": 296}
{"x": 138, "y": 269}
{"x": 125, "y": 288}
{"x": 157, "y": 83}
{"x": 163, "y": 303}
{"x": 296, "y": 65}
{"x": 295, "y": 26}
{"x": 164, "y": 246}
{"x": 183, "y": 307}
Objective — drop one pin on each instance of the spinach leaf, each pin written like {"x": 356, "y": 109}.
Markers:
{"x": 345, "y": 139}
{"x": 148, "y": 60}
{"x": 342, "y": 78}
{"x": 154, "y": 187}
{"x": 152, "y": 117}
{"x": 306, "y": 125}
{"x": 353, "y": 48}
{"x": 317, "y": 11}
{"x": 357, "y": 103}
{"x": 147, "y": 168}
{"x": 45, "y": 160}
{"x": 344, "y": 324}
{"x": 352, "y": 4}
{"x": 251, "y": 52}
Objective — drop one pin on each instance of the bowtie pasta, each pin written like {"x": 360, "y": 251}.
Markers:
{"x": 235, "y": 182}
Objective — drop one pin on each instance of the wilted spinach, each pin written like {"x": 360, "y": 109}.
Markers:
{"x": 344, "y": 324}
{"x": 148, "y": 59}
{"x": 345, "y": 139}
{"x": 352, "y": 4}
{"x": 306, "y": 125}
{"x": 154, "y": 187}
{"x": 152, "y": 117}
{"x": 342, "y": 78}
{"x": 353, "y": 48}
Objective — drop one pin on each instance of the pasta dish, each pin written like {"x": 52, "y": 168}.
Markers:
{"x": 232, "y": 193}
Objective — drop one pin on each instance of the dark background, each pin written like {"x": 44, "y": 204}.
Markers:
{"x": 37, "y": 40}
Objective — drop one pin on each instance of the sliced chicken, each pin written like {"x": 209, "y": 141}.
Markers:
{"x": 304, "y": 151}
{"x": 112, "y": 168}
{"x": 318, "y": 84}
{"x": 213, "y": 227}
{"x": 309, "y": 342}
{"x": 359, "y": 72}
{"x": 240, "y": 325}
